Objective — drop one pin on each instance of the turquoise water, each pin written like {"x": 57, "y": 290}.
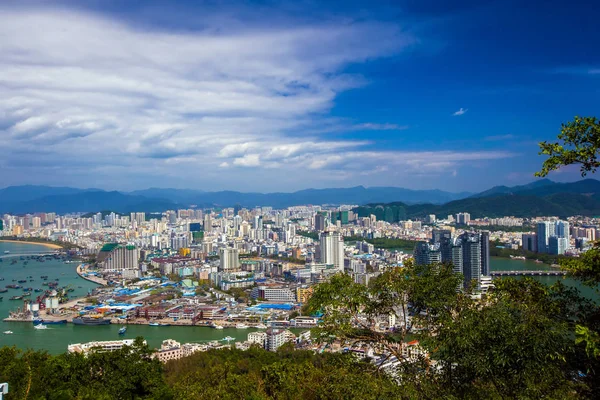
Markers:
{"x": 507, "y": 264}
{"x": 56, "y": 338}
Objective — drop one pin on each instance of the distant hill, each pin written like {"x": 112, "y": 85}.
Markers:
{"x": 353, "y": 195}
{"x": 87, "y": 201}
{"x": 546, "y": 187}
{"x": 542, "y": 197}
{"x": 518, "y": 205}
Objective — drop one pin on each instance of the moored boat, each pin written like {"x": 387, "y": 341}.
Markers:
{"x": 90, "y": 321}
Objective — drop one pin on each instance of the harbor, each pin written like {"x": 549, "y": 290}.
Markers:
{"x": 61, "y": 331}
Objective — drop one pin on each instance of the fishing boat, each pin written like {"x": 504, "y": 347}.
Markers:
{"x": 161, "y": 324}
{"x": 8, "y": 332}
{"x": 6, "y": 252}
{"x": 153, "y": 324}
{"x": 40, "y": 327}
{"x": 241, "y": 326}
{"x": 122, "y": 330}
{"x": 90, "y": 321}
{"x": 228, "y": 339}
{"x": 3, "y": 290}
{"x": 17, "y": 298}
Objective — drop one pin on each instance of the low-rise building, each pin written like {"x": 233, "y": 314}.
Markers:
{"x": 110, "y": 345}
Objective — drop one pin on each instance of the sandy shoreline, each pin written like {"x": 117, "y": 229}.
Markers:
{"x": 48, "y": 245}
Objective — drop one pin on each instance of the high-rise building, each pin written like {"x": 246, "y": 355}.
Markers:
{"x": 469, "y": 254}
{"x": 319, "y": 222}
{"x": 115, "y": 257}
{"x": 426, "y": 253}
{"x": 544, "y": 231}
{"x": 229, "y": 258}
{"x": 557, "y": 245}
{"x": 473, "y": 263}
{"x": 562, "y": 229}
{"x": 332, "y": 249}
{"x": 463, "y": 218}
{"x": 438, "y": 234}
{"x": 529, "y": 242}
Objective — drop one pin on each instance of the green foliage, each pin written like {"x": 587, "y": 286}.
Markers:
{"x": 258, "y": 374}
{"x": 125, "y": 374}
{"x": 380, "y": 243}
{"x": 516, "y": 342}
{"x": 578, "y": 143}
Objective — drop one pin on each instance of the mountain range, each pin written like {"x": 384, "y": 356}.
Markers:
{"x": 542, "y": 197}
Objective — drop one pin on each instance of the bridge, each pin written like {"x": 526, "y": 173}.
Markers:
{"x": 528, "y": 273}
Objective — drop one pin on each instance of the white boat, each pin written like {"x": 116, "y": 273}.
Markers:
{"x": 261, "y": 326}
{"x": 241, "y": 326}
{"x": 40, "y": 326}
{"x": 8, "y": 332}
{"x": 228, "y": 339}
{"x": 6, "y": 252}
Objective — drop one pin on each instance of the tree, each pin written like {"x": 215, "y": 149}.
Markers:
{"x": 579, "y": 143}
{"x": 516, "y": 342}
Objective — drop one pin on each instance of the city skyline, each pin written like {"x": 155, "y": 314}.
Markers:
{"x": 269, "y": 96}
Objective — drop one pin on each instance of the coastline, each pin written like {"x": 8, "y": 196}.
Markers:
{"x": 48, "y": 245}
{"x": 94, "y": 279}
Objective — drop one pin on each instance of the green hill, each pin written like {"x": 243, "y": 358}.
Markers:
{"x": 518, "y": 205}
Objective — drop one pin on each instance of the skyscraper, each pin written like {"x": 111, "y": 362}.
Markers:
{"x": 473, "y": 263}
{"x": 426, "y": 253}
{"x": 529, "y": 242}
{"x": 469, "y": 254}
{"x": 332, "y": 249}
{"x": 319, "y": 222}
{"x": 438, "y": 234}
{"x": 562, "y": 229}
{"x": 543, "y": 234}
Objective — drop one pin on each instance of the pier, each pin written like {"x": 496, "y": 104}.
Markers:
{"x": 528, "y": 273}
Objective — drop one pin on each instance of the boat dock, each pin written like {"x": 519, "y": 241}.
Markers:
{"x": 91, "y": 278}
{"x": 528, "y": 273}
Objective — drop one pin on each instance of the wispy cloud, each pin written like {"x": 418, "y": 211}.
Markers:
{"x": 496, "y": 138}
{"x": 460, "y": 112}
{"x": 380, "y": 127}
{"x": 577, "y": 70}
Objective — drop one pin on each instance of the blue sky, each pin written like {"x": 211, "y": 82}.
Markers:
{"x": 265, "y": 96}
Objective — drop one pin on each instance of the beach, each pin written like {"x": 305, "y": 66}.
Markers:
{"x": 48, "y": 245}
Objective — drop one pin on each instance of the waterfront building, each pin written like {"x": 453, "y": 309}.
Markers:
{"x": 259, "y": 338}
{"x": 557, "y": 245}
{"x": 544, "y": 230}
{"x": 110, "y": 345}
{"x": 275, "y": 339}
{"x": 529, "y": 242}
{"x": 114, "y": 257}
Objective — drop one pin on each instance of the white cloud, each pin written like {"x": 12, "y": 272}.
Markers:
{"x": 98, "y": 100}
{"x": 460, "y": 112}
{"x": 249, "y": 160}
